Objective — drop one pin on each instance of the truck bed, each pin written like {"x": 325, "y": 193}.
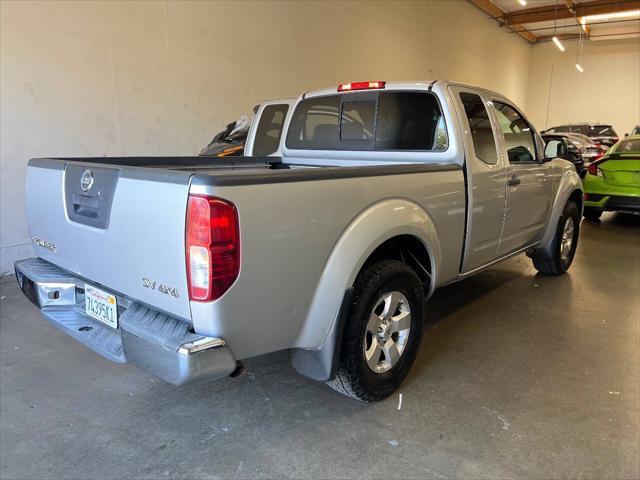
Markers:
{"x": 128, "y": 231}
{"x": 255, "y": 170}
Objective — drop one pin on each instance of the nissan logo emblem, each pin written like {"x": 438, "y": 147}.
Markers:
{"x": 86, "y": 180}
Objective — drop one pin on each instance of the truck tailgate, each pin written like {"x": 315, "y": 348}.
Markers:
{"x": 116, "y": 226}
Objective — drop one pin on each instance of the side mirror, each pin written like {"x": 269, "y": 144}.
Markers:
{"x": 556, "y": 149}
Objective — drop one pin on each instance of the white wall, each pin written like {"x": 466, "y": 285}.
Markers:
{"x": 155, "y": 77}
{"x": 608, "y": 91}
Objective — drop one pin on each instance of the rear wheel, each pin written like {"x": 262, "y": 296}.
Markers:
{"x": 592, "y": 213}
{"x": 383, "y": 331}
{"x": 565, "y": 243}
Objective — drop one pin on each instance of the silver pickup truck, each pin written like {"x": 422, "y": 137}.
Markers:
{"x": 381, "y": 193}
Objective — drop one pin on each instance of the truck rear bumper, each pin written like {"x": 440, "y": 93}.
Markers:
{"x": 160, "y": 344}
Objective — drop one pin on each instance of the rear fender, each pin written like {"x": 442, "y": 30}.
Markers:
{"x": 322, "y": 330}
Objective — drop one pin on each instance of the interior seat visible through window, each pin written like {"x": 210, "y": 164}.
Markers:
{"x": 323, "y": 133}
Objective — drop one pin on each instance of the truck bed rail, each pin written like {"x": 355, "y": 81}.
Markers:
{"x": 179, "y": 163}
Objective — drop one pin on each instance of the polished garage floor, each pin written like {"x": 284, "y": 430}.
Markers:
{"x": 519, "y": 376}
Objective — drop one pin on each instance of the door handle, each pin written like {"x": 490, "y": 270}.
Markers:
{"x": 514, "y": 181}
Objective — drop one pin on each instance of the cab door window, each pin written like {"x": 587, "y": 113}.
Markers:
{"x": 518, "y": 134}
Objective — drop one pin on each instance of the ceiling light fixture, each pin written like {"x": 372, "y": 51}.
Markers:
{"x": 583, "y": 24}
{"x": 523, "y": 2}
{"x": 579, "y": 68}
{"x": 558, "y": 43}
{"x": 611, "y": 16}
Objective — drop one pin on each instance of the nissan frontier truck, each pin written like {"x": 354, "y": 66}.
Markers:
{"x": 381, "y": 193}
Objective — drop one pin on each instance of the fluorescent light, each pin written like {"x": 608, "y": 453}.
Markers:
{"x": 558, "y": 44}
{"x": 610, "y": 16}
{"x": 579, "y": 68}
{"x": 523, "y": 2}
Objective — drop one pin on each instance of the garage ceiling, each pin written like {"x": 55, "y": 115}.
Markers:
{"x": 539, "y": 20}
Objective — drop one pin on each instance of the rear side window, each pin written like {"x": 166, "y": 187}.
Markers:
{"x": 631, "y": 145}
{"x": 377, "y": 121}
{"x": 484, "y": 142}
{"x": 269, "y": 129}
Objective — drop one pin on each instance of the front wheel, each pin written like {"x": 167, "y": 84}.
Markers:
{"x": 383, "y": 331}
{"x": 565, "y": 243}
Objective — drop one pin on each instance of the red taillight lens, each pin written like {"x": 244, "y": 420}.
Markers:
{"x": 348, "y": 87}
{"x": 212, "y": 247}
{"x": 594, "y": 168}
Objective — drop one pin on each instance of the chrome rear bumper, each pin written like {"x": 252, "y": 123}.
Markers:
{"x": 158, "y": 343}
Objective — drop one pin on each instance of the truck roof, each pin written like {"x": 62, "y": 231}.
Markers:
{"x": 595, "y": 124}
{"x": 399, "y": 85}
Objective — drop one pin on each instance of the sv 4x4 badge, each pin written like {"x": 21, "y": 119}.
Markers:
{"x": 162, "y": 288}
{"x": 44, "y": 244}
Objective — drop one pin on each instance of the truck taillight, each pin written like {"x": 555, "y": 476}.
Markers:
{"x": 349, "y": 87}
{"x": 212, "y": 247}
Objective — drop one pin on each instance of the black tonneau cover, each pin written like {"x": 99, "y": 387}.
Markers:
{"x": 253, "y": 170}
{"x": 180, "y": 163}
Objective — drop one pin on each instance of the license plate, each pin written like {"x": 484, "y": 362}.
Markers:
{"x": 101, "y": 305}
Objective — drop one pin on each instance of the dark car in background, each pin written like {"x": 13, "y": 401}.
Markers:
{"x": 232, "y": 141}
{"x": 599, "y": 133}
{"x": 574, "y": 152}
{"x": 229, "y": 142}
{"x": 591, "y": 151}
{"x": 581, "y": 150}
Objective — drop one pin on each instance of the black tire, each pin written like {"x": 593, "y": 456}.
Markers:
{"x": 557, "y": 265}
{"x": 354, "y": 378}
{"x": 592, "y": 213}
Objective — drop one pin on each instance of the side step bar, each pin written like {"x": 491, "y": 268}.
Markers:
{"x": 158, "y": 343}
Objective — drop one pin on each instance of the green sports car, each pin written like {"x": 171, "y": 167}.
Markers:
{"x": 612, "y": 183}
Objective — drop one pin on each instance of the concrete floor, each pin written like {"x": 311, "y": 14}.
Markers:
{"x": 519, "y": 376}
